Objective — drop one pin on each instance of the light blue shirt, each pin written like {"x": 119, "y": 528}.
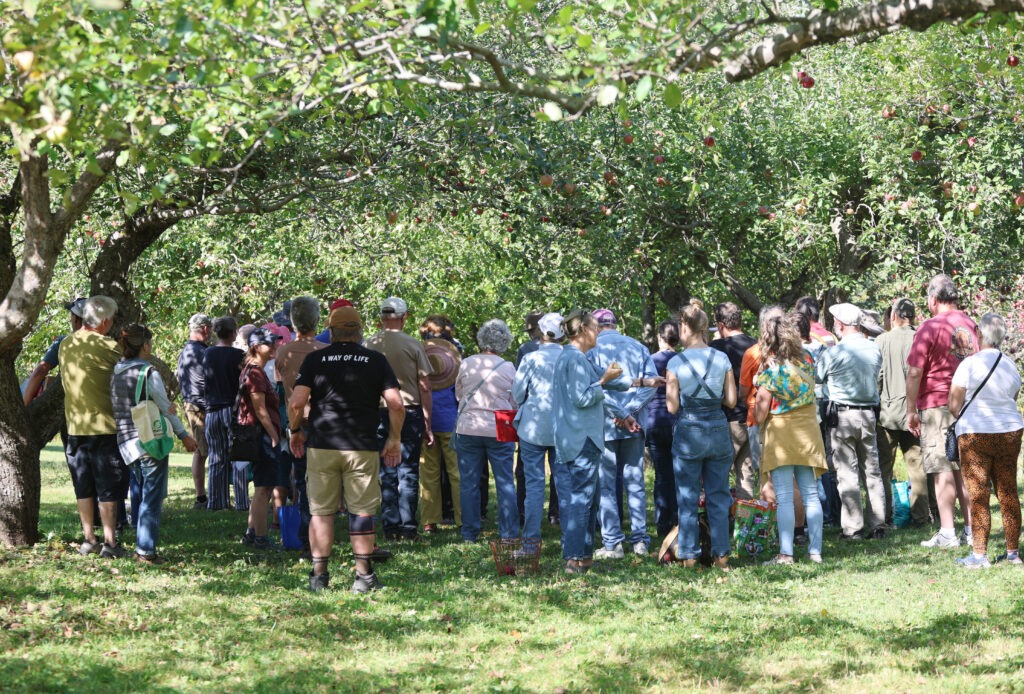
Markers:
{"x": 635, "y": 361}
{"x": 532, "y": 391}
{"x": 849, "y": 371}
{"x": 714, "y": 375}
{"x": 578, "y": 403}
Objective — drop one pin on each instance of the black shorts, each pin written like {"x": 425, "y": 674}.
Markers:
{"x": 264, "y": 470}
{"x": 96, "y": 467}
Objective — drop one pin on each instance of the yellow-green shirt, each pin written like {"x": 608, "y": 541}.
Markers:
{"x": 87, "y": 362}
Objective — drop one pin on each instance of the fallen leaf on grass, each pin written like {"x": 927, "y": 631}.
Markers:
{"x": 516, "y": 634}
{"x": 113, "y": 653}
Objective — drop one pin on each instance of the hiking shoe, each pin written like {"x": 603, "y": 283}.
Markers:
{"x": 615, "y": 552}
{"x": 364, "y": 583}
{"x": 640, "y": 549}
{"x": 318, "y": 582}
{"x": 112, "y": 551}
{"x": 965, "y": 537}
{"x": 87, "y": 548}
{"x": 149, "y": 559}
{"x": 379, "y": 554}
{"x": 200, "y": 503}
{"x": 973, "y": 561}
{"x": 1015, "y": 559}
{"x": 877, "y": 533}
{"x": 263, "y": 544}
{"x": 941, "y": 541}
{"x": 248, "y": 538}
{"x": 576, "y": 569}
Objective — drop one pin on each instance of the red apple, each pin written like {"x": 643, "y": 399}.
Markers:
{"x": 504, "y": 215}
{"x": 709, "y": 141}
{"x": 917, "y": 156}
{"x": 888, "y": 112}
{"x": 1019, "y": 200}
{"x": 627, "y": 123}
{"x": 660, "y": 180}
{"x": 581, "y": 232}
{"x": 771, "y": 216}
{"x": 1013, "y": 61}
{"x": 609, "y": 176}
{"x": 569, "y": 189}
{"x": 628, "y": 139}
{"x": 605, "y": 210}
{"x": 974, "y": 208}
{"x": 546, "y": 181}
{"x": 800, "y": 74}
{"x": 479, "y": 210}
{"x": 946, "y": 108}
{"x": 763, "y": 211}
{"x": 545, "y": 219}
{"x": 807, "y": 82}
{"x": 658, "y": 159}
{"x": 392, "y": 218}
{"x": 971, "y": 141}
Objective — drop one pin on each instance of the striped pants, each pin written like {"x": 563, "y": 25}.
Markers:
{"x": 218, "y": 427}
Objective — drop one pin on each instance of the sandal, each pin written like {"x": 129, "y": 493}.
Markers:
{"x": 722, "y": 564}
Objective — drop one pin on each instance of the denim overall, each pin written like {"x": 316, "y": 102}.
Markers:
{"x": 702, "y": 449}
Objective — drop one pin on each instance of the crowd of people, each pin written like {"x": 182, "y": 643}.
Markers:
{"x": 804, "y": 418}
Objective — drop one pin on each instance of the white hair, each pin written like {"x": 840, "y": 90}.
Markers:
{"x": 993, "y": 329}
{"x": 98, "y": 309}
{"x": 494, "y": 336}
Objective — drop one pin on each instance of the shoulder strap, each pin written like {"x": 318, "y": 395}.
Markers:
{"x": 466, "y": 398}
{"x": 701, "y": 383}
{"x": 142, "y": 384}
{"x": 241, "y": 380}
{"x": 990, "y": 372}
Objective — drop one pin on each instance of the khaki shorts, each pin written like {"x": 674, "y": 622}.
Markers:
{"x": 328, "y": 471}
{"x": 934, "y": 422}
{"x": 196, "y": 417}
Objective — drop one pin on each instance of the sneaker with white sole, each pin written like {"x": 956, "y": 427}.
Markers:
{"x": 115, "y": 551}
{"x": 973, "y": 561}
{"x": 615, "y": 552}
{"x": 966, "y": 537}
{"x": 640, "y": 549}
{"x": 941, "y": 541}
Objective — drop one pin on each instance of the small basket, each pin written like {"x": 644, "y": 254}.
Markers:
{"x": 516, "y": 557}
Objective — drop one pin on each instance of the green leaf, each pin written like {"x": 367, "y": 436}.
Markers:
{"x": 553, "y": 111}
{"x": 673, "y": 96}
{"x": 643, "y": 87}
{"x": 168, "y": 129}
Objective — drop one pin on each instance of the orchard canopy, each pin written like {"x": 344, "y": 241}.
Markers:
{"x": 489, "y": 158}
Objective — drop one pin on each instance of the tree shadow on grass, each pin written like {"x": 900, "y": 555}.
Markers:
{"x": 55, "y": 675}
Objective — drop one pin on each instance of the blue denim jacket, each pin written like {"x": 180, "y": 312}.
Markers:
{"x": 532, "y": 390}
{"x": 578, "y": 403}
{"x": 636, "y": 362}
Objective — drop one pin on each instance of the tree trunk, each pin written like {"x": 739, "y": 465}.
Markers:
{"x": 19, "y": 463}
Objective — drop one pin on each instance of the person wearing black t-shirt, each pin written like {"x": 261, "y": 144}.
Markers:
{"x": 222, "y": 365}
{"x": 733, "y": 342}
{"x": 343, "y": 385}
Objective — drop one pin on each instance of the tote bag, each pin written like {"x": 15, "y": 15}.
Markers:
{"x": 152, "y": 427}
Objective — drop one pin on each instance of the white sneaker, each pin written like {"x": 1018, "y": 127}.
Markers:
{"x": 613, "y": 553}
{"x": 640, "y": 549}
{"x": 941, "y": 541}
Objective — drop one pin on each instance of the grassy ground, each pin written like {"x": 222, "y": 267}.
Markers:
{"x": 880, "y": 615}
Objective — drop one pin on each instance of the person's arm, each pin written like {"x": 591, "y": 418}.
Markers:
{"x": 392, "y": 454}
{"x": 259, "y": 408}
{"x": 762, "y": 405}
{"x": 957, "y": 395}
{"x": 427, "y": 405}
{"x": 520, "y": 384}
{"x": 671, "y": 393}
{"x": 729, "y": 391}
{"x": 35, "y": 381}
{"x": 583, "y": 391}
{"x": 646, "y": 387}
{"x": 914, "y": 375}
{"x": 296, "y": 413}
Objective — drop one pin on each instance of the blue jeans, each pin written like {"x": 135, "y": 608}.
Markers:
{"x": 782, "y": 478}
{"x": 531, "y": 457}
{"x": 577, "y": 482}
{"x": 474, "y": 453}
{"x": 702, "y": 449}
{"x": 659, "y": 443}
{"x": 151, "y": 477}
{"x": 400, "y": 486}
{"x": 626, "y": 455}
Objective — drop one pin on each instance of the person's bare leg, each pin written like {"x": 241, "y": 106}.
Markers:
{"x": 945, "y": 496}
{"x": 961, "y": 494}
{"x": 86, "y": 515}
{"x": 321, "y": 538}
{"x": 258, "y": 511}
{"x": 108, "y": 516}
{"x": 199, "y": 473}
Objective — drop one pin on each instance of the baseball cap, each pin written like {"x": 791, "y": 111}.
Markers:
{"x": 845, "y": 313}
{"x": 284, "y": 316}
{"x": 604, "y": 316}
{"x": 341, "y": 302}
{"x": 262, "y": 336}
{"x": 345, "y": 317}
{"x": 394, "y": 305}
{"x": 869, "y": 324}
{"x": 77, "y": 307}
{"x": 904, "y": 308}
{"x": 198, "y": 320}
{"x": 551, "y": 325}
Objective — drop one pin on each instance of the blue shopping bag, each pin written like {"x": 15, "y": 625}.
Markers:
{"x": 288, "y": 517}
{"x": 901, "y": 504}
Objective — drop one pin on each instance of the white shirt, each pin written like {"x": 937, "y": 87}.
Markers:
{"x": 994, "y": 410}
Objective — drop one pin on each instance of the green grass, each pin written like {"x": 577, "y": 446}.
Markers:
{"x": 885, "y": 615}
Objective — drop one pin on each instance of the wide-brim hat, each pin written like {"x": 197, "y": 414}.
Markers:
{"x": 444, "y": 361}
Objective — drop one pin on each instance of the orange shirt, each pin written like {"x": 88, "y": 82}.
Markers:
{"x": 748, "y": 371}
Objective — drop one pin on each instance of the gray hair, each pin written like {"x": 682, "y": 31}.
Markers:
{"x": 98, "y": 309}
{"x": 494, "y": 336}
{"x": 305, "y": 314}
{"x": 769, "y": 311}
{"x": 993, "y": 329}
{"x": 942, "y": 289}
